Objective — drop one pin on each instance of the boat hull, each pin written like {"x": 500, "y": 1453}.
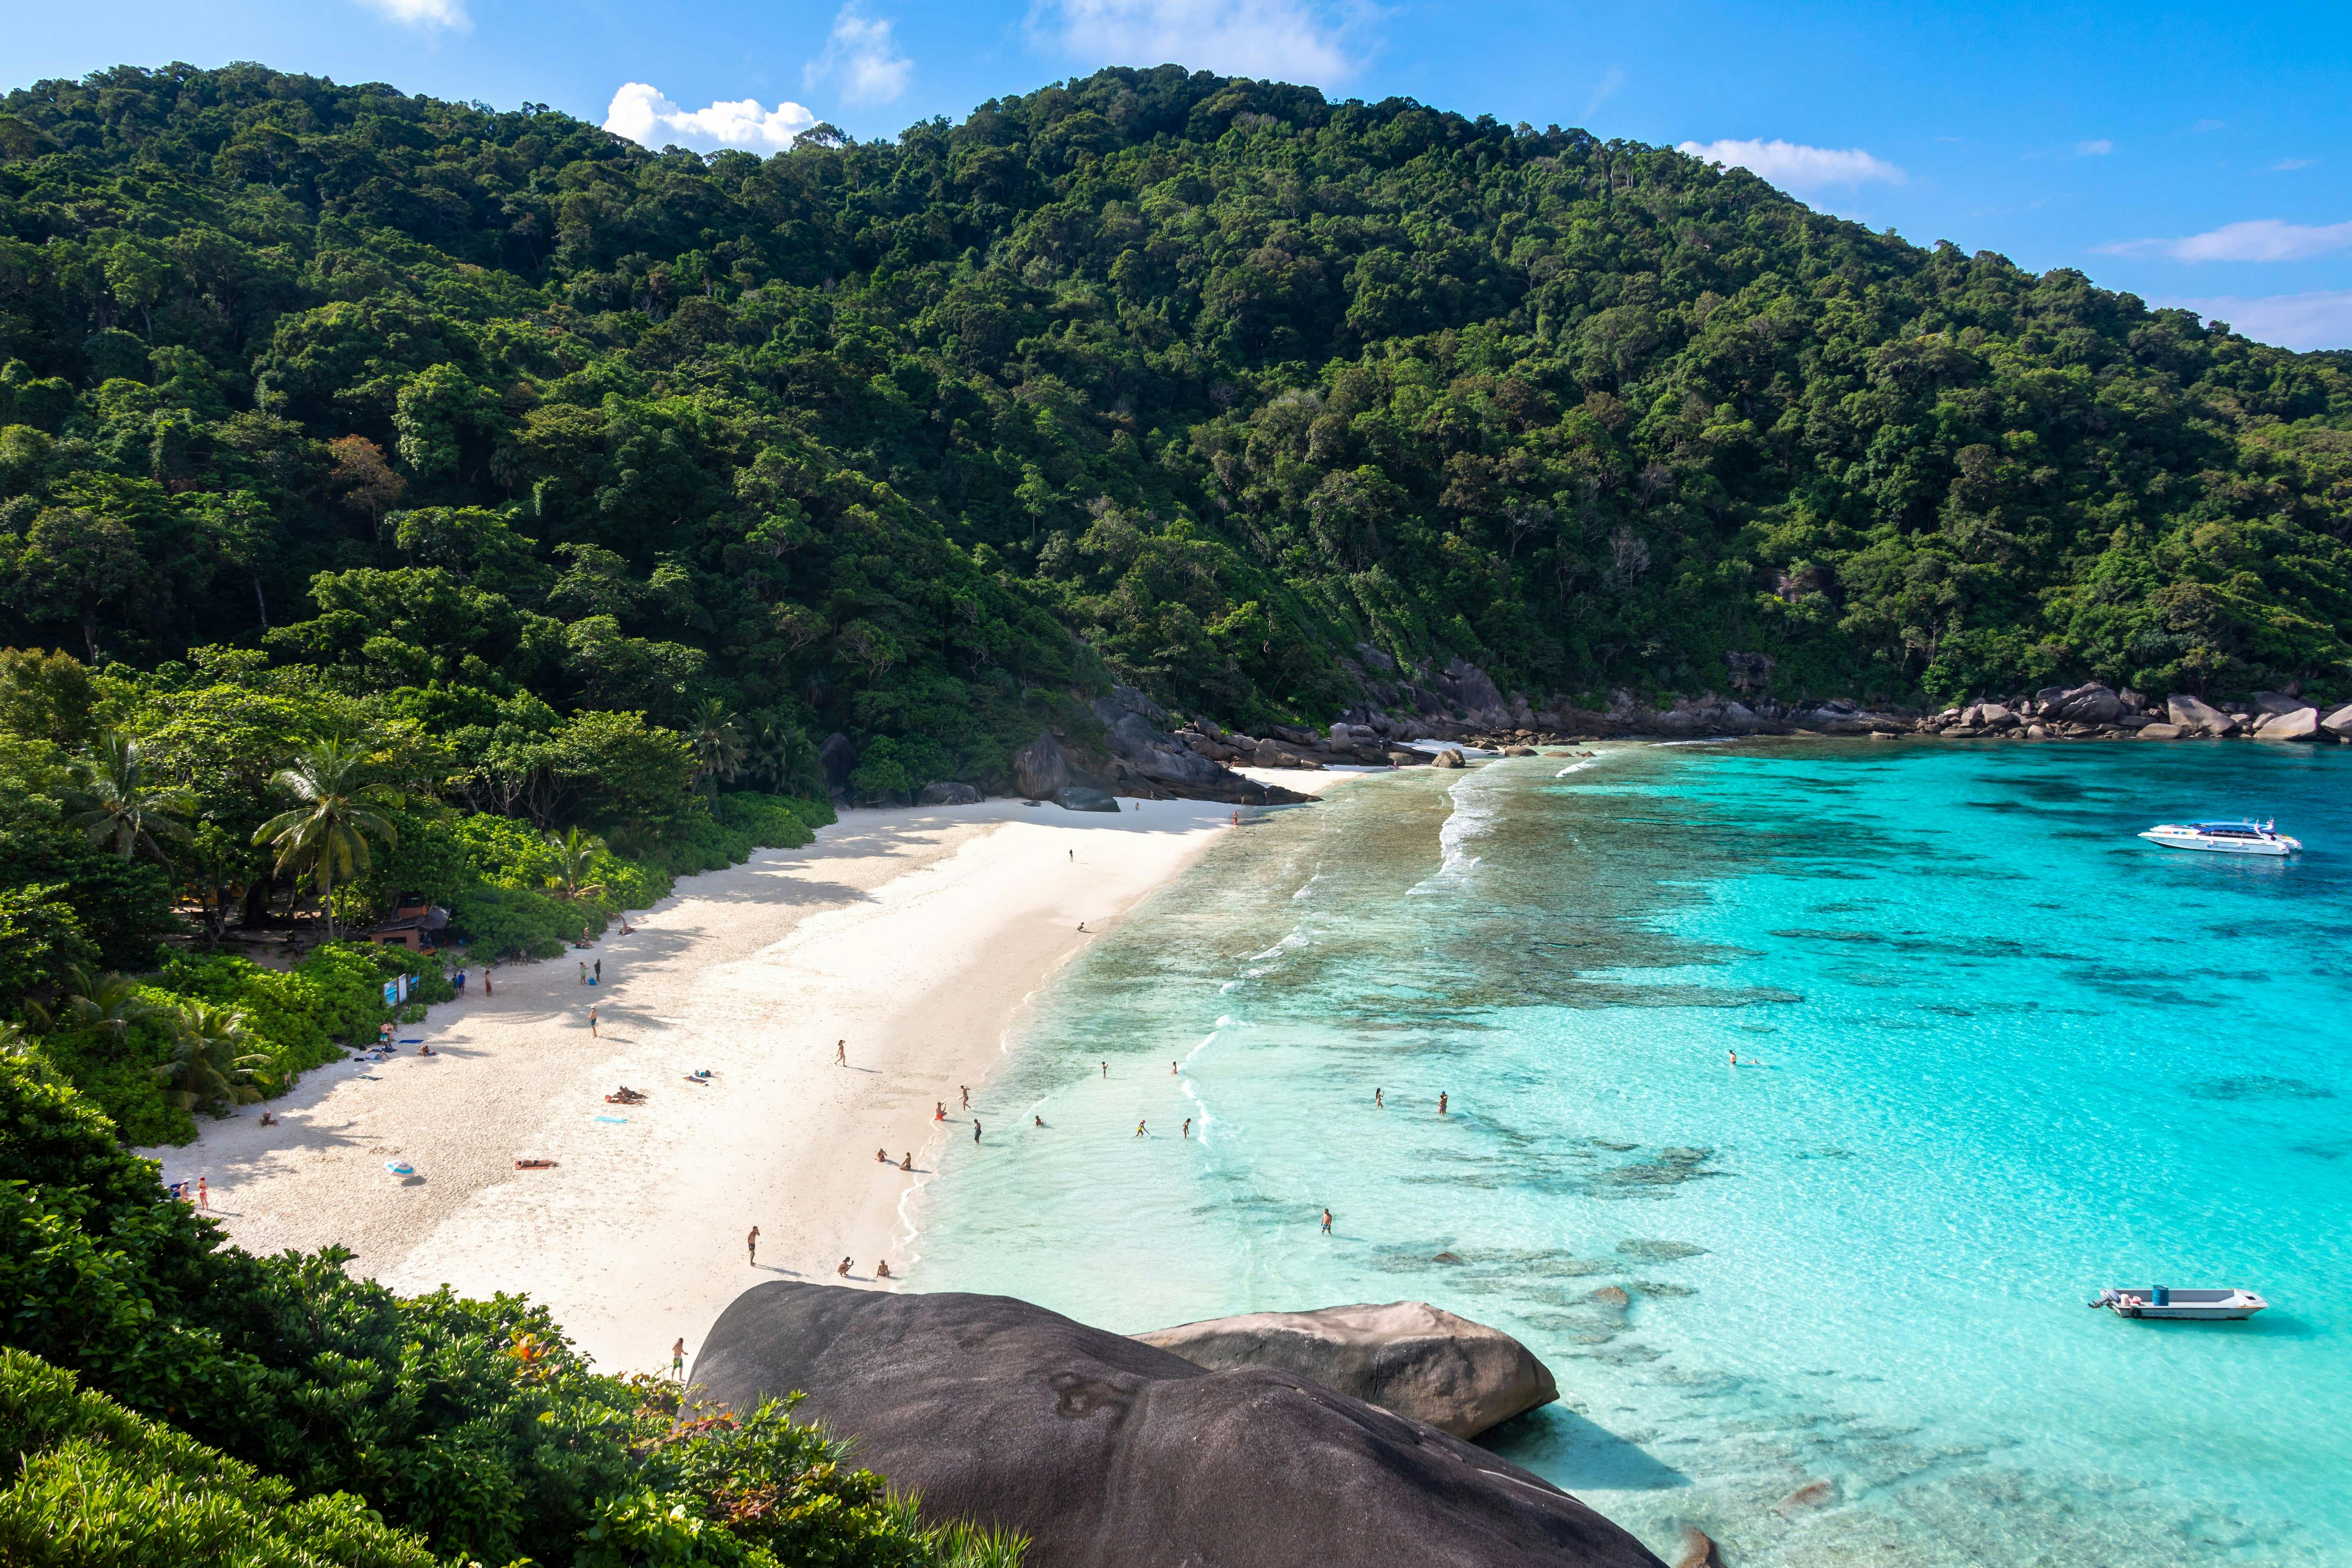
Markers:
{"x": 2220, "y": 846}
{"x": 2189, "y": 1306}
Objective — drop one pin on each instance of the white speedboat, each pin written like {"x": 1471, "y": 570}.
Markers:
{"x": 2224, "y": 837}
{"x": 2159, "y": 1301}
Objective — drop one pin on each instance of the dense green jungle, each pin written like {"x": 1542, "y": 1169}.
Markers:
{"x": 406, "y": 502}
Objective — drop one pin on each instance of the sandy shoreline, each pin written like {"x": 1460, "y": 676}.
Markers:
{"x": 919, "y": 935}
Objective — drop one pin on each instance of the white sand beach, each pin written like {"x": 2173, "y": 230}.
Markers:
{"x": 916, "y": 935}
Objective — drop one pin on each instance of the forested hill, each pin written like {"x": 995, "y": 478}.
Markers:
{"x": 1192, "y": 382}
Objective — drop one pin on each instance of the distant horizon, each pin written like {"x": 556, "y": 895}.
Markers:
{"x": 2187, "y": 157}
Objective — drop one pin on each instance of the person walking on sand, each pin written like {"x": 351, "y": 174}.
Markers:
{"x": 841, "y": 1053}
{"x": 677, "y": 1361}
{"x": 752, "y": 1246}
{"x": 592, "y": 1021}
{"x": 1139, "y": 1130}
{"x": 583, "y": 974}
{"x": 967, "y": 1095}
{"x": 1327, "y": 1222}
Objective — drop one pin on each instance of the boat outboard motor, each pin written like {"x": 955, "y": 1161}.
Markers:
{"x": 2159, "y": 1296}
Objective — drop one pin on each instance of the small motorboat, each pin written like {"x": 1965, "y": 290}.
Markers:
{"x": 2248, "y": 837}
{"x": 2159, "y": 1301}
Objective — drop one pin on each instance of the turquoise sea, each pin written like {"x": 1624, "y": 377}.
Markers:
{"x": 2005, "y": 1053}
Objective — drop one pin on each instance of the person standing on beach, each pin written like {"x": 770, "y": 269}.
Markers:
{"x": 1327, "y": 1222}
{"x": 975, "y": 1129}
{"x": 486, "y": 983}
{"x": 1441, "y": 1103}
{"x": 592, "y": 1021}
{"x": 204, "y": 1194}
{"x": 1172, "y": 1069}
{"x": 967, "y": 1095}
{"x": 841, "y": 1053}
{"x": 752, "y": 1246}
{"x": 1187, "y": 1127}
{"x": 1105, "y": 1070}
{"x": 677, "y": 1361}
{"x": 600, "y": 971}
{"x": 1377, "y": 1103}
{"x": 583, "y": 974}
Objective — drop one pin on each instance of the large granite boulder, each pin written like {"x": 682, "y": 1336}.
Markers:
{"x": 2272, "y": 702}
{"x": 2339, "y": 723}
{"x": 1083, "y": 797}
{"x": 2195, "y": 716}
{"x": 1040, "y": 772}
{"x": 1410, "y": 1357}
{"x": 1107, "y": 1453}
{"x": 2301, "y": 724}
{"x": 948, "y": 793}
{"x": 2092, "y": 704}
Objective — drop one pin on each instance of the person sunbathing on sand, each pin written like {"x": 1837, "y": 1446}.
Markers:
{"x": 882, "y": 1270}
{"x": 881, "y": 1157}
{"x": 908, "y": 1162}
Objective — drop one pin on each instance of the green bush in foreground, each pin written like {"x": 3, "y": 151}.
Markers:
{"x": 472, "y": 1425}
{"x": 95, "y": 1484}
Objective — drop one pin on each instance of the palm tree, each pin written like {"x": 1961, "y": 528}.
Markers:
{"x": 211, "y": 1061}
{"x": 781, "y": 757}
{"x": 113, "y": 802}
{"x": 576, "y": 853}
{"x": 327, "y": 835}
{"x": 105, "y": 1005}
{"x": 717, "y": 743}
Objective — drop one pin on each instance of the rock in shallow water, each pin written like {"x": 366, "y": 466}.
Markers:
{"x": 1408, "y": 1356}
{"x": 1108, "y": 1453}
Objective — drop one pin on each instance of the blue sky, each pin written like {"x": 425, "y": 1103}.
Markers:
{"x": 2195, "y": 154}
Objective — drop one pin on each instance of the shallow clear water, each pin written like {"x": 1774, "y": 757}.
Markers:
{"x": 2007, "y": 1052}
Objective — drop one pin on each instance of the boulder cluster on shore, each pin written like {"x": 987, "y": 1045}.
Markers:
{"x": 1149, "y": 754}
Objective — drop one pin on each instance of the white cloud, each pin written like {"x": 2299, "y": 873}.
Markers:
{"x": 2203, "y": 126}
{"x": 1796, "y": 166}
{"x": 450, "y": 14}
{"x": 2319, "y": 320}
{"x": 2258, "y": 239}
{"x": 860, "y": 60}
{"x": 643, "y": 115}
{"x": 1288, "y": 40}
{"x": 2098, "y": 149}
{"x": 2286, "y": 164}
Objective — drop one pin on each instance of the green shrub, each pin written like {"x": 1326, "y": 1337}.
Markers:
{"x": 93, "y": 1483}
